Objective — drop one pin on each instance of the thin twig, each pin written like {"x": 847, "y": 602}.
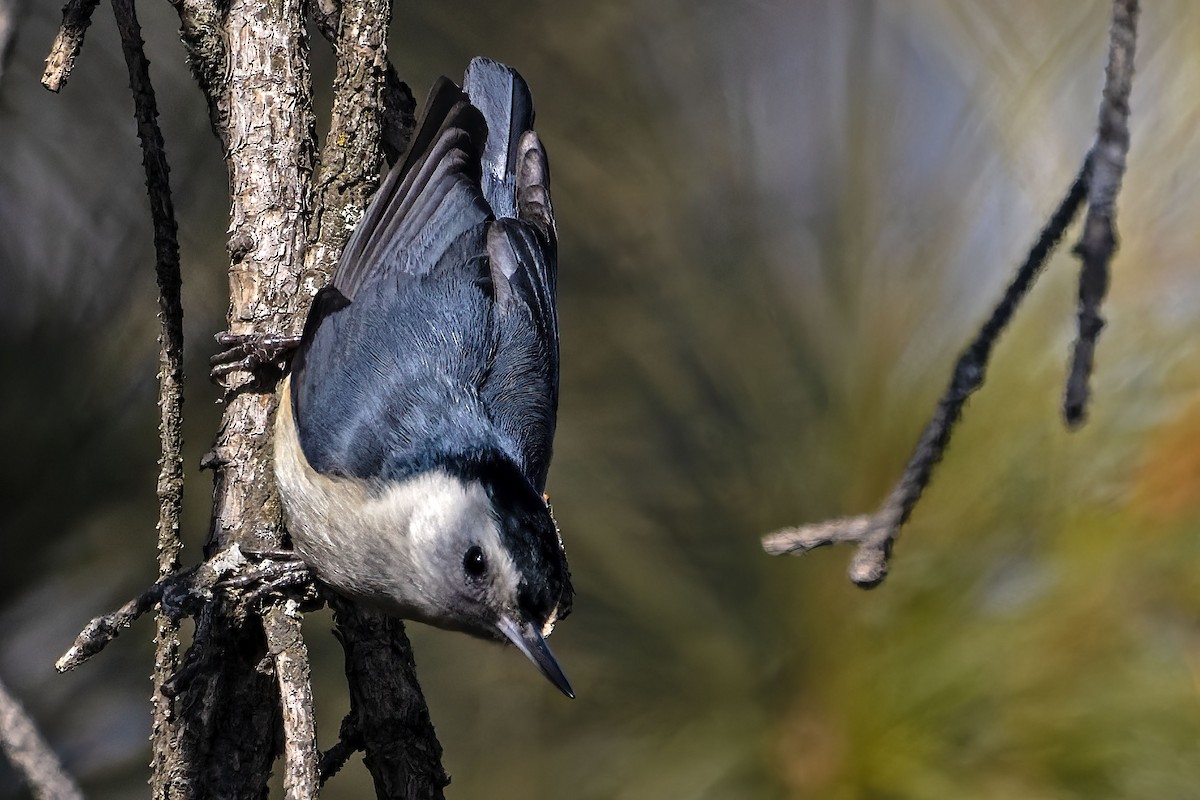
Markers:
{"x": 184, "y": 593}
{"x": 37, "y": 764}
{"x": 180, "y": 594}
{"x": 1099, "y": 239}
{"x": 349, "y": 742}
{"x": 281, "y": 623}
{"x": 170, "y": 370}
{"x": 875, "y": 534}
{"x": 77, "y": 16}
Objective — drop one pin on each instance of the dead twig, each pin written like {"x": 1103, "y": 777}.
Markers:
{"x": 182, "y": 594}
{"x": 37, "y": 764}
{"x": 349, "y": 742}
{"x": 875, "y": 534}
{"x": 281, "y": 624}
{"x": 1099, "y": 239}
{"x": 170, "y": 370}
{"x": 77, "y": 16}
{"x": 243, "y": 585}
{"x": 1097, "y": 183}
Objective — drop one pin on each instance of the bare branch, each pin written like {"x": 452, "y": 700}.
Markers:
{"x": 399, "y": 107}
{"x": 401, "y": 750}
{"x": 77, "y": 16}
{"x": 1099, "y": 239}
{"x": 876, "y": 533}
{"x": 201, "y": 29}
{"x": 181, "y": 594}
{"x": 170, "y": 373}
{"x": 251, "y": 59}
{"x": 27, "y": 750}
{"x": 1098, "y": 183}
{"x": 286, "y": 645}
{"x": 349, "y": 742}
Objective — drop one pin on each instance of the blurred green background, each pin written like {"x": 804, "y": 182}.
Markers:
{"x": 780, "y": 221}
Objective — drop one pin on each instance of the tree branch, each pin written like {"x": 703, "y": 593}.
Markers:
{"x": 399, "y": 106}
{"x": 183, "y": 593}
{"x": 281, "y": 623}
{"x": 77, "y": 16}
{"x": 349, "y": 742}
{"x": 201, "y": 30}
{"x": 27, "y": 750}
{"x": 875, "y": 534}
{"x": 348, "y": 174}
{"x": 1098, "y": 182}
{"x": 387, "y": 706}
{"x": 251, "y": 59}
{"x": 1099, "y": 240}
{"x": 401, "y": 749}
{"x": 170, "y": 378}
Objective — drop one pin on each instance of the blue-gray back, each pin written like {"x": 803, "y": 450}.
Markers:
{"x": 437, "y": 341}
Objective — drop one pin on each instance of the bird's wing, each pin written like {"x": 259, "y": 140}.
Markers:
{"x": 426, "y": 201}
{"x": 520, "y": 389}
{"x": 438, "y": 337}
{"x": 407, "y": 303}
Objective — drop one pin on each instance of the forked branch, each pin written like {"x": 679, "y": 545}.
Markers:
{"x": 1099, "y": 239}
{"x": 1097, "y": 182}
{"x": 874, "y": 534}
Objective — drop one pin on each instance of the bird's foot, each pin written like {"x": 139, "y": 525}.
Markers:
{"x": 272, "y": 575}
{"x": 248, "y": 352}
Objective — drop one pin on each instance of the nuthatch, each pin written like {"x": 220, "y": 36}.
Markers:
{"x": 414, "y": 433}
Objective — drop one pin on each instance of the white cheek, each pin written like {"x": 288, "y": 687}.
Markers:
{"x": 448, "y": 511}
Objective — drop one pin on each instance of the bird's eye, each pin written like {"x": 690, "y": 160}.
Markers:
{"x": 474, "y": 562}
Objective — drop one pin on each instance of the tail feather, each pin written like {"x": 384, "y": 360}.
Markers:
{"x": 507, "y": 105}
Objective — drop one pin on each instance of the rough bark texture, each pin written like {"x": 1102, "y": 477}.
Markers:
{"x": 77, "y": 16}
{"x": 170, "y": 380}
{"x": 263, "y": 96}
{"x": 282, "y": 626}
{"x": 387, "y": 709}
{"x": 399, "y": 106}
{"x": 349, "y": 170}
{"x": 200, "y": 28}
{"x": 29, "y": 753}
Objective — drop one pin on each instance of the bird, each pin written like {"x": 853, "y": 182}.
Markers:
{"x": 414, "y": 432}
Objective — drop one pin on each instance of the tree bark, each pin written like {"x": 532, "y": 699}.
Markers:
{"x": 218, "y": 721}
{"x": 261, "y": 105}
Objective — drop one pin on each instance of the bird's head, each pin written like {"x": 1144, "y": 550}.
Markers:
{"x": 490, "y": 561}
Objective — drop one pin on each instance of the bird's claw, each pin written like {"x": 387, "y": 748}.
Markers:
{"x": 280, "y": 573}
{"x": 247, "y": 352}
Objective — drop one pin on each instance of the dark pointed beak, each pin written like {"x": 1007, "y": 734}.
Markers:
{"x": 529, "y": 639}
